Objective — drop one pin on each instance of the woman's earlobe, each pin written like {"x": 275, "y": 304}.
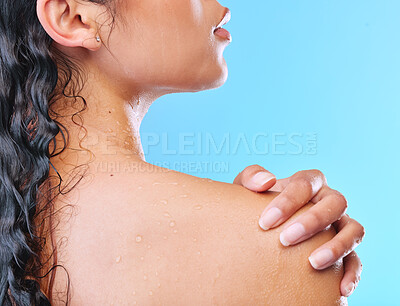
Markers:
{"x": 92, "y": 44}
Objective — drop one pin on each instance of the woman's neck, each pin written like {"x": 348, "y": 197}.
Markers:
{"x": 110, "y": 125}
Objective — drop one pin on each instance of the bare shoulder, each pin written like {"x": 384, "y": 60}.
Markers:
{"x": 168, "y": 237}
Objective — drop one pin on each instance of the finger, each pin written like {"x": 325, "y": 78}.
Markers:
{"x": 318, "y": 217}
{"x": 255, "y": 178}
{"x": 303, "y": 186}
{"x": 350, "y": 235}
{"x": 352, "y": 273}
{"x": 280, "y": 185}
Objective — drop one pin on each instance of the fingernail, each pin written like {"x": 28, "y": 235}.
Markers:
{"x": 321, "y": 258}
{"x": 270, "y": 218}
{"x": 292, "y": 234}
{"x": 349, "y": 289}
{"x": 262, "y": 178}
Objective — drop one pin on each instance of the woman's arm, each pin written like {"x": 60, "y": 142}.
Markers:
{"x": 246, "y": 265}
{"x": 296, "y": 281}
{"x": 263, "y": 271}
{"x": 199, "y": 244}
{"x": 330, "y": 205}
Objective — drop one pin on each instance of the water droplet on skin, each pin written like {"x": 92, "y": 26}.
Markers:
{"x": 194, "y": 239}
{"x": 134, "y": 292}
{"x": 118, "y": 259}
{"x": 140, "y": 187}
{"x": 120, "y": 233}
{"x": 145, "y": 277}
{"x": 198, "y": 207}
{"x": 149, "y": 246}
{"x": 138, "y": 238}
{"x": 175, "y": 231}
{"x": 158, "y": 285}
{"x": 156, "y": 273}
{"x": 199, "y": 252}
{"x": 207, "y": 229}
{"x": 156, "y": 183}
{"x": 158, "y": 222}
{"x": 172, "y": 224}
{"x": 150, "y": 292}
{"x": 158, "y": 257}
{"x": 183, "y": 195}
{"x": 141, "y": 258}
{"x": 134, "y": 302}
{"x": 164, "y": 202}
{"x": 166, "y": 214}
{"x": 165, "y": 237}
{"x": 173, "y": 183}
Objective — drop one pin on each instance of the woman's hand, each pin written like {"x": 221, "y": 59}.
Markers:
{"x": 330, "y": 206}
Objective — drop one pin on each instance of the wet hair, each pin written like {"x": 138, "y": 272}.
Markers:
{"x": 33, "y": 76}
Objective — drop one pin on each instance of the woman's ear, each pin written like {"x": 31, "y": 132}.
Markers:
{"x": 70, "y": 23}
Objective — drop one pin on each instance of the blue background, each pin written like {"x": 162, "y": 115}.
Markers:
{"x": 320, "y": 80}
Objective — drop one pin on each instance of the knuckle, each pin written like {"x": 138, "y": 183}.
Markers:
{"x": 340, "y": 248}
{"x": 358, "y": 229}
{"x": 315, "y": 219}
{"x": 305, "y": 184}
{"x": 250, "y": 169}
{"x": 361, "y": 232}
{"x": 341, "y": 199}
{"x": 287, "y": 201}
{"x": 317, "y": 172}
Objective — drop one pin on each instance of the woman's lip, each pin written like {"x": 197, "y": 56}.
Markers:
{"x": 223, "y": 33}
{"x": 225, "y": 19}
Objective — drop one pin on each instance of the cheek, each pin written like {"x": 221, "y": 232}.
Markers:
{"x": 175, "y": 49}
{"x": 173, "y": 60}
{"x": 197, "y": 11}
{"x": 189, "y": 62}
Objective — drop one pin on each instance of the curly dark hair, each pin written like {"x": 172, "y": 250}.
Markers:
{"x": 33, "y": 76}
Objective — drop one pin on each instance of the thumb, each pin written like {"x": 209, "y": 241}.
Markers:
{"x": 255, "y": 178}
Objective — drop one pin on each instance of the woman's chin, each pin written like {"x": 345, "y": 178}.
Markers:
{"x": 209, "y": 84}
{"x": 221, "y": 80}
{"x": 216, "y": 79}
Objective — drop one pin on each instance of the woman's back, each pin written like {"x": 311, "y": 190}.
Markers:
{"x": 150, "y": 236}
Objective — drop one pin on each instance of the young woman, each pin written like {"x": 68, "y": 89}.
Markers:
{"x": 77, "y": 78}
